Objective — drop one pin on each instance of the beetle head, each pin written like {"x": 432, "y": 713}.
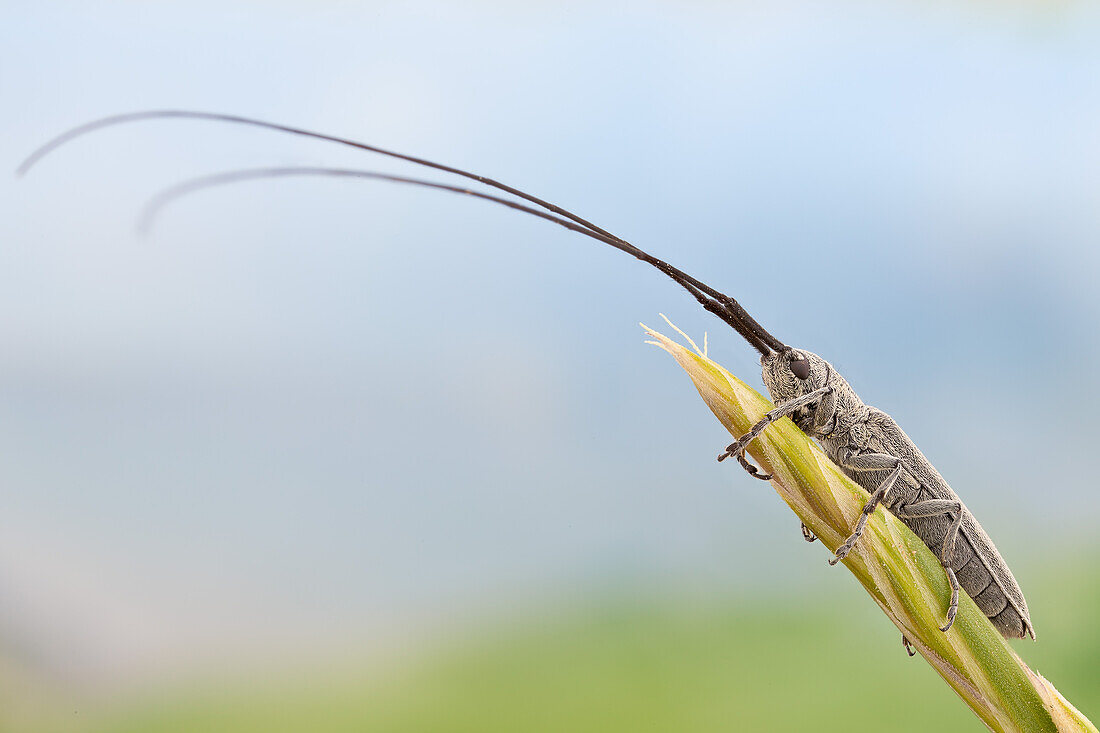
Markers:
{"x": 791, "y": 373}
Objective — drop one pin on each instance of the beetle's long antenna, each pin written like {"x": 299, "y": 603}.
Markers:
{"x": 167, "y": 196}
{"x": 721, "y": 305}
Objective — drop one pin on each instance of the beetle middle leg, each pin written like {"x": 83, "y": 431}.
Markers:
{"x": 869, "y": 462}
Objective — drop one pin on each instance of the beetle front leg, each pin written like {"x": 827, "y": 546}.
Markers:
{"x": 753, "y": 470}
{"x": 737, "y": 447}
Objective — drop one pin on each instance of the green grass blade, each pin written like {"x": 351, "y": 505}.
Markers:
{"x": 895, "y": 567}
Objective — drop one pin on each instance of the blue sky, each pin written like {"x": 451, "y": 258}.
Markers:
{"x": 306, "y": 409}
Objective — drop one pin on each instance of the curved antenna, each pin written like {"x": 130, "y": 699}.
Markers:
{"x": 715, "y": 305}
{"x": 113, "y": 120}
{"x": 730, "y": 307}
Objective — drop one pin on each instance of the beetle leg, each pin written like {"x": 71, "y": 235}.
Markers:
{"x": 907, "y": 645}
{"x": 738, "y": 446}
{"x": 953, "y": 608}
{"x": 868, "y": 509}
{"x": 934, "y": 508}
{"x": 807, "y": 533}
{"x": 753, "y": 470}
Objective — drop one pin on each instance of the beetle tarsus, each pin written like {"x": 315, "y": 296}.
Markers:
{"x": 954, "y": 607}
{"x": 753, "y": 470}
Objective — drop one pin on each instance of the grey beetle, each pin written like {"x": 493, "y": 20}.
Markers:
{"x": 864, "y": 442}
{"x": 872, "y": 450}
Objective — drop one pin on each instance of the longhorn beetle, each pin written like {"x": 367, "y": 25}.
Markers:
{"x": 864, "y": 442}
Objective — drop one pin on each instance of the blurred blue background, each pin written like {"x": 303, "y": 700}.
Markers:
{"x": 340, "y": 425}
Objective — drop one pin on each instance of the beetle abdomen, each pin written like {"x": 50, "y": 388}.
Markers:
{"x": 982, "y": 574}
{"x": 980, "y": 569}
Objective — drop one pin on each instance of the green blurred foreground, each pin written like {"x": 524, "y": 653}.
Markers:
{"x": 827, "y": 661}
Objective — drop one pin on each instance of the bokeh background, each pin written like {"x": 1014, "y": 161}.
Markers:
{"x": 340, "y": 456}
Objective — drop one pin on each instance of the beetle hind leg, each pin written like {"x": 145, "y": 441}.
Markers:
{"x": 953, "y": 608}
{"x": 953, "y": 509}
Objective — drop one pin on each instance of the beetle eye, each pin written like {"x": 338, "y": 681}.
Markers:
{"x": 800, "y": 368}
